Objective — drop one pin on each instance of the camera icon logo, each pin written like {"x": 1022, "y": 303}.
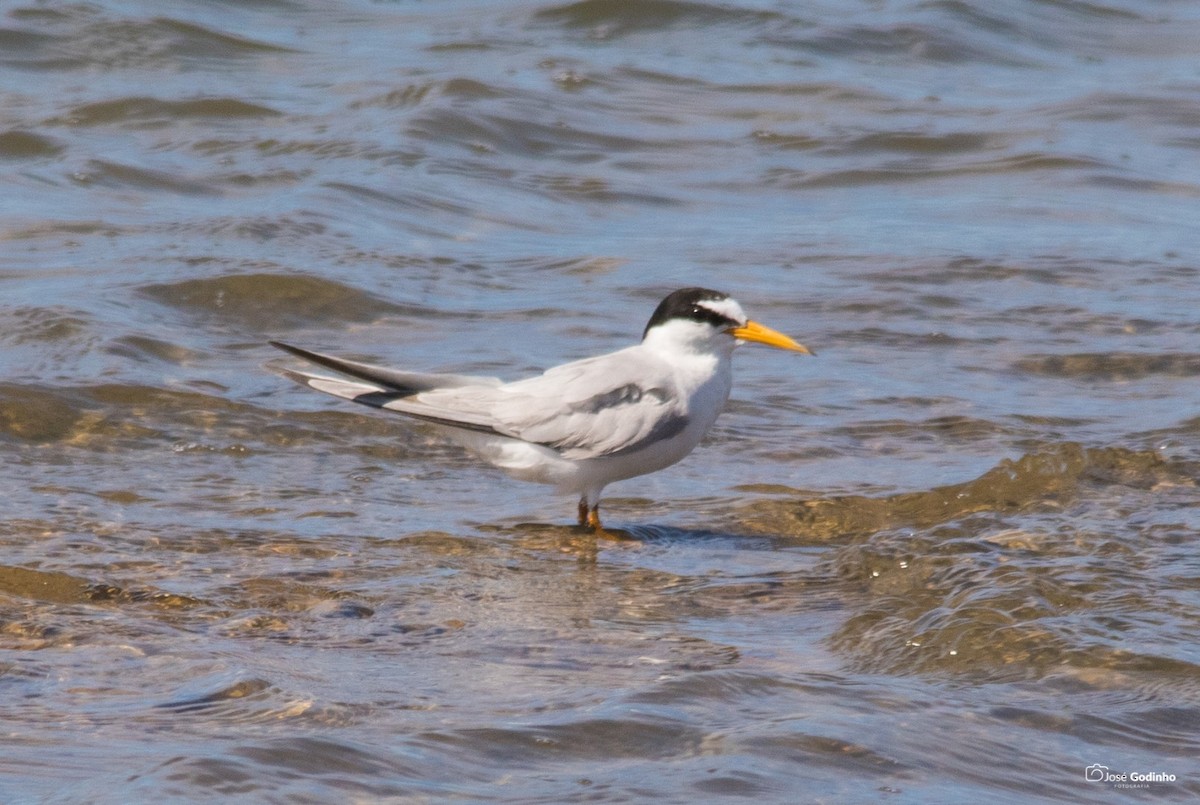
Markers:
{"x": 1095, "y": 773}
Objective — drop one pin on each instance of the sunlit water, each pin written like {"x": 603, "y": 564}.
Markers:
{"x": 951, "y": 559}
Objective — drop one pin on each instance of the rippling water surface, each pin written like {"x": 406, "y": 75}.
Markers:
{"x": 951, "y": 559}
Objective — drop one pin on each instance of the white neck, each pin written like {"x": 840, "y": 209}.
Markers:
{"x": 680, "y": 338}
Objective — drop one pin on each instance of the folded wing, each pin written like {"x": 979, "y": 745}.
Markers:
{"x": 596, "y": 407}
{"x": 385, "y": 378}
{"x": 603, "y": 406}
{"x": 391, "y": 389}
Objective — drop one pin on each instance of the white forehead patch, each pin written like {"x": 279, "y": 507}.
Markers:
{"x": 726, "y": 307}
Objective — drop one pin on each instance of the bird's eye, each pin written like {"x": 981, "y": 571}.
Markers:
{"x": 707, "y": 315}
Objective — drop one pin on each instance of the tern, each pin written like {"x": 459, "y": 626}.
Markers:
{"x": 585, "y": 424}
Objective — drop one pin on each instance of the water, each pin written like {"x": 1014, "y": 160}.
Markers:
{"x": 950, "y": 559}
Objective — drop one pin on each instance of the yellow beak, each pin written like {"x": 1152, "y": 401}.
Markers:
{"x": 753, "y": 331}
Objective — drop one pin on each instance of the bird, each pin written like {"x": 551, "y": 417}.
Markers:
{"x": 585, "y": 424}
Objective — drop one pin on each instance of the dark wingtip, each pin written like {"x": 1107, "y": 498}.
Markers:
{"x": 314, "y": 357}
{"x": 297, "y": 351}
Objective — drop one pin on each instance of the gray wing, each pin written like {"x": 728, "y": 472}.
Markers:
{"x": 400, "y": 402}
{"x": 603, "y": 406}
{"x": 392, "y": 389}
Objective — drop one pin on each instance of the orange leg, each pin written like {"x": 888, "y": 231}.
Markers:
{"x": 589, "y": 516}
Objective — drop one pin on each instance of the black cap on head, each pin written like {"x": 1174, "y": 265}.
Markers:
{"x": 685, "y": 304}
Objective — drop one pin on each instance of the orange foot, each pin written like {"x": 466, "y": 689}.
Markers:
{"x": 589, "y": 517}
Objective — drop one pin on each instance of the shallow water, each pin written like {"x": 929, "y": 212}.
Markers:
{"x": 950, "y": 559}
